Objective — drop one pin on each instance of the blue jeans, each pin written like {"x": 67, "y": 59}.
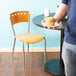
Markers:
{"x": 69, "y": 59}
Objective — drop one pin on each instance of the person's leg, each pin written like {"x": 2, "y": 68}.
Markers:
{"x": 69, "y": 59}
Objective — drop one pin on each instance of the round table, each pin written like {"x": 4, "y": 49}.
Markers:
{"x": 53, "y": 66}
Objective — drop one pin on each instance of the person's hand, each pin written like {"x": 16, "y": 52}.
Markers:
{"x": 50, "y": 21}
{"x": 51, "y": 27}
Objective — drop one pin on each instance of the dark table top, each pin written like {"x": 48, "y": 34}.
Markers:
{"x": 37, "y": 21}
{"x": 54, "y": 65}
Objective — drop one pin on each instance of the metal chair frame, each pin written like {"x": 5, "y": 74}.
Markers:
{"x": 23, "y": 58}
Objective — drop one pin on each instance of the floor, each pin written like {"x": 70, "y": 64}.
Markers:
{"x": 34, "y": 64}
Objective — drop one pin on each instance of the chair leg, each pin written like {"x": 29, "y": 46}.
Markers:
{"x": 23, "y": 58}
{"x": 28, "y": 47}
{"x": 13, "y": 47}
{"x": 45, "y": 59}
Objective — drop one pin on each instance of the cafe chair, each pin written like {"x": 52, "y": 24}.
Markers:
{"x": 29, "y": 38}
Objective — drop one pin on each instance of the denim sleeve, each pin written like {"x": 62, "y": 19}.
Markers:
{"x": 65, "y": 1}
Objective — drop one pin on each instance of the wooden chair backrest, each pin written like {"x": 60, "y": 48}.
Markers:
{"x": 19, "y": 16}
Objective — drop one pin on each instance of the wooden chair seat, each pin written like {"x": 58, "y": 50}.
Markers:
{"x": 29, "y": 37}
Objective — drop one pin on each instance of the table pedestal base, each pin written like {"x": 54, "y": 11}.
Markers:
{"x": 53, "y": 66}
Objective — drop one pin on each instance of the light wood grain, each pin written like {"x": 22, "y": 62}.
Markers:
{"x": 34, "y": 64}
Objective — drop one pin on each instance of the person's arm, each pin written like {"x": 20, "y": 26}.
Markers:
{"x": 61, "y": 12}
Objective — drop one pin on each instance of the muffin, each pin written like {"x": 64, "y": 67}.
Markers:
{"x": 50, "y": 21}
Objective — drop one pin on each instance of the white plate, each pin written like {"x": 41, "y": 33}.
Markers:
{"x": 56, "y": 25}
